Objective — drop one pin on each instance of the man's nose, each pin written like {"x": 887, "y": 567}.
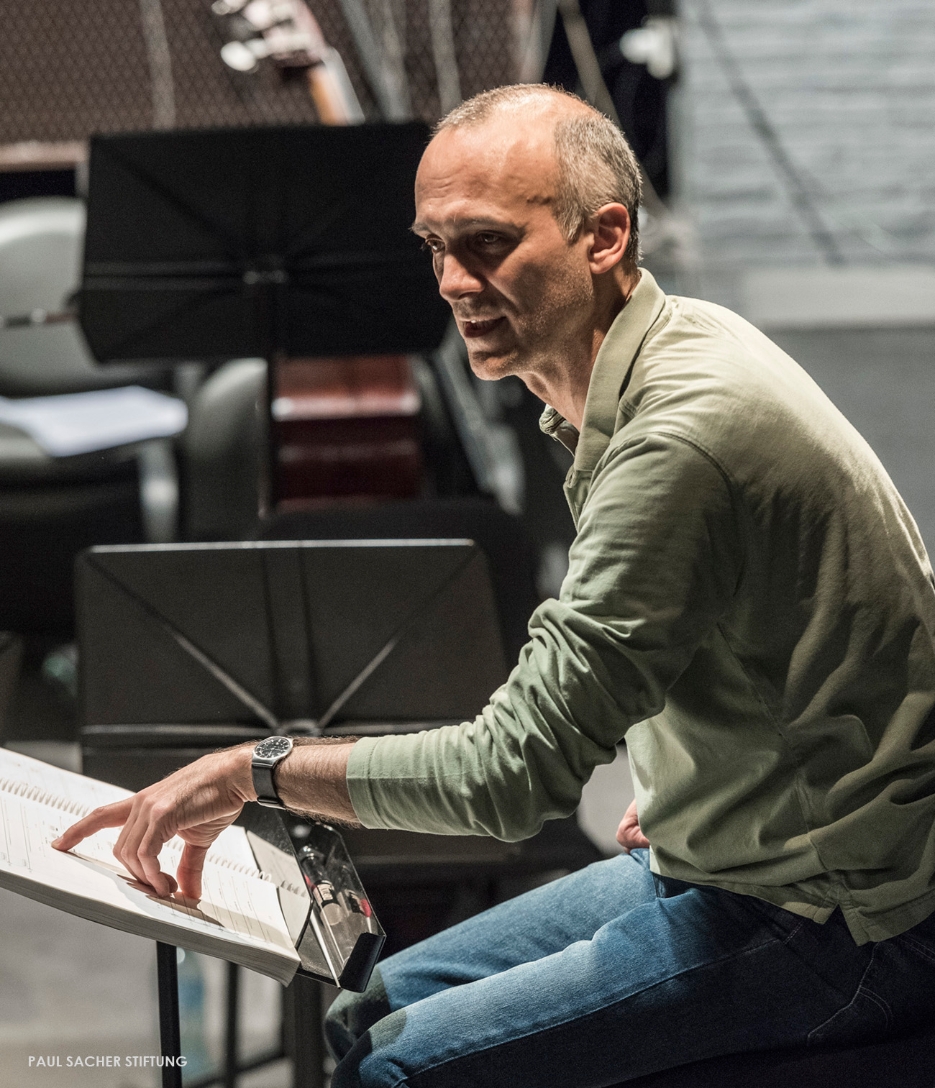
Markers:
{"x": 456, "y": 279}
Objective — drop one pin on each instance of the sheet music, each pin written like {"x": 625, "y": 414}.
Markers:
{"x": 73, "y": 423}
{"x": 239, "y": 906}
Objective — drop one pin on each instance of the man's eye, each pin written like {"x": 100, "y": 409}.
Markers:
{"x": 488, "y": 239}
{"x": 432, "y": 245}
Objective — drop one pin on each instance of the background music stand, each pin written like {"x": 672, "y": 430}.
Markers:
{"x": 240, "y": 640}
{"x": 256, "y": 242}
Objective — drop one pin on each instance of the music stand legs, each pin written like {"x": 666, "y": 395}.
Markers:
{"x": 302, "y": 1024}
{"x": 170, "y": 1039}
{"x": 231, "y": 1035}
{"x": 302, "y": 1029}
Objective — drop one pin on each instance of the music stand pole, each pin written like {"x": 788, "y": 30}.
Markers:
{"x": 231, "y": 1026}
{"x": 170, "y": 1037}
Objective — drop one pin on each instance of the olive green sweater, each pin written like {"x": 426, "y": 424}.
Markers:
{"x": 750, "y": 604}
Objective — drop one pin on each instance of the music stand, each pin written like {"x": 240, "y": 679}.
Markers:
{"x": 207, "y": 644}
{"x": 230, "y": 641}
{"x": 242, "y": 242}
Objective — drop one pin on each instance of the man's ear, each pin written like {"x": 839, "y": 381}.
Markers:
{"x": 611, "y": 232}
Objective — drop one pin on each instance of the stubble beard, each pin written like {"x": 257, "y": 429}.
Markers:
{"x": 548, "y": 339}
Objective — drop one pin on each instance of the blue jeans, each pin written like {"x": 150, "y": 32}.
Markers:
{"x": 612, "y": 973}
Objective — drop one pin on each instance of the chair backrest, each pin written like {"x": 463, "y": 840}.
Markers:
{"x": 221, "y": 453}
{"x": 41, "y": 241}
{"x": 40, "y": 251}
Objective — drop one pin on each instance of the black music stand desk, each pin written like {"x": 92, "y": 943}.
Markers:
{"x": 228, "y": 243}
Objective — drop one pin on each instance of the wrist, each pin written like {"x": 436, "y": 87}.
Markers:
{"x": 241, "y": 770}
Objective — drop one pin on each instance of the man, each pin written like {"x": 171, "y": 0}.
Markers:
{"x": 748, "y": 602}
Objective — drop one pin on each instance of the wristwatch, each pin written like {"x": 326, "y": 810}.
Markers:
{"x": 266, "y": 755}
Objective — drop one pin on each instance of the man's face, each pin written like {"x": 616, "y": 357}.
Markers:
{"x": 521, "y": 295}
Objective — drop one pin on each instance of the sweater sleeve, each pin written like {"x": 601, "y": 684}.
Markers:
{"x": 655, "y": 563}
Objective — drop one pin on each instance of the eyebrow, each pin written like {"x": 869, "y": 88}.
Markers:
{"x": 462, "y": 224}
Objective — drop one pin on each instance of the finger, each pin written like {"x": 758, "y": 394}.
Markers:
{"x": 634, "y": 833}
{"x": 623, "y": 831}
{"x": 125, "y": 849}
{"x": 631, "y": 838}
{"x": 191, "y": 867}
{"x": 108, "y": 816}
{"x": 161, "y": 883}
{"x": 156, "y": 831}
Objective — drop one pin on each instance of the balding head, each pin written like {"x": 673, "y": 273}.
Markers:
{"x": 529, "y": 236}
{"x": 594, "y": 163}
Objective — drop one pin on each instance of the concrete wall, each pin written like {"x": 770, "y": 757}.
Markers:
{"x": 849, "y": 88}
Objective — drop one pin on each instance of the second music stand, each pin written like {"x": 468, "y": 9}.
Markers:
{"x": 242, "y": 242}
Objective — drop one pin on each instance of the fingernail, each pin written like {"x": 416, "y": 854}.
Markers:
{"x": 57, "y": 842}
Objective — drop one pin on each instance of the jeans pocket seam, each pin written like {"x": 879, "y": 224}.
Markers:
{"x": 917, "y": 946}
{"x": 880, "y": 1002}
{"x": 794, "y": 931}
{"x": 862, "y": 990}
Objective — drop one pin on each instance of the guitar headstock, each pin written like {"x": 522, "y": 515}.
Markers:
{"x": 286, "y": 32}
{"x": 283, "y": 30}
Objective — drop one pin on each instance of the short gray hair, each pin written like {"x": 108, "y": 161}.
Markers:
{"x": 596, "y": 165}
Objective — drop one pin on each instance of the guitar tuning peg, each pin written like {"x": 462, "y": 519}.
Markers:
{"x": 259, "y": 13}
{"x": 239, "y": 56}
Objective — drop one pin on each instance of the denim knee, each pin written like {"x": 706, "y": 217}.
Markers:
{"x": 338, "y": 1020}
{"x": 351, "y": 1015}
{"x": 376, "y": 1060}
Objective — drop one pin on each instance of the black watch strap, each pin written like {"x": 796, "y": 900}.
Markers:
{"x": 265, "y": 787}
{"x": 267, "y": 755}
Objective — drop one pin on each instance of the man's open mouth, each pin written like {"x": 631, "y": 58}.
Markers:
{"x": 480, "y": 328}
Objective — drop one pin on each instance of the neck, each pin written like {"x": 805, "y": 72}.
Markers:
{"x": 565, "y": 386}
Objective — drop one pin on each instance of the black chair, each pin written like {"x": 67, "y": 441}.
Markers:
{"x": 222, "y": 453}
{"x": 51, "y": 508}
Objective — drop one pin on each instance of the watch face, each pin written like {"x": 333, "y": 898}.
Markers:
{"x": 273, "y": 747}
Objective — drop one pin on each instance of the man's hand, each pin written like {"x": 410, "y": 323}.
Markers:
{"x": 629, "y": 834}
{"x": 196, "y": 803}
